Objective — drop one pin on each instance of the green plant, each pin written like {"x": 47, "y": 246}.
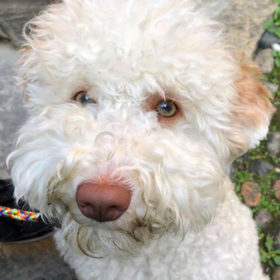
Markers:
{"x": 273, "y": 24}
{"x": 268, "y": 200}
{"x": 268, "y": 255}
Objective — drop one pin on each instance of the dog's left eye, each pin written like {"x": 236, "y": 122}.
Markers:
{"x": 83, "y": 98}
{"x": 167, "y": 109}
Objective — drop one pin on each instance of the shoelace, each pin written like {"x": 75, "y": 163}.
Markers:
{"x": 18, "y": 214}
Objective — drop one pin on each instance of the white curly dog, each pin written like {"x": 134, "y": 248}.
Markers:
{"x": 137, "y": 110}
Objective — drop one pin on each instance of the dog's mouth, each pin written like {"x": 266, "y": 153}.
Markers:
{"x": 119, "y": 241}
{"x": 124, "y": 236}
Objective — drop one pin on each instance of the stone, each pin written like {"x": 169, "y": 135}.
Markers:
{"x": 243, "y": 20}
{"x": 260, "y": 167}
{"x": 273, "y": 144}
{"x": 250, "y": 193}
{"x": 263, "y": 218}
{"x": 270, "y": 86}
{"x": 276, "y": 47}
{"x": 14, "y": 14}
{"x": 265, "y": 60}
{"x": 276, "y": 187}
{"x": 276, "y": 274}
{"x": 267, "y": 41}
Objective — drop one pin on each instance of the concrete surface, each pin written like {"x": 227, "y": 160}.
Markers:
{"x": 33, "y": 261}
{"x": 12, "y": 113}
{"x": 37, "y": 260}
{"x": 14, "y": 14}
{"x": 40, "y": 260}
{"x": 243, "y": 20}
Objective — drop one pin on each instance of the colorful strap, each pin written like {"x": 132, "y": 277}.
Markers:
{"x": 19, "y": 214}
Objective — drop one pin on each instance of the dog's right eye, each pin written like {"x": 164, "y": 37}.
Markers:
{"x": 167, "y": 109}
{"x": 83, "y": 98}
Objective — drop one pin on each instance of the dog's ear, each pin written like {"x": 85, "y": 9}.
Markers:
{"x": 252, "y": 110}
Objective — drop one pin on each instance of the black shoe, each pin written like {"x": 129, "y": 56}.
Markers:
{"x": 12, "y": 230}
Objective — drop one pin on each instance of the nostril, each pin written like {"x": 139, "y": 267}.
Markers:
{"x": 87, "y": 210}
{"x": 85, "y": 205}
{"x": 114, "y": 212}
{"x": 114, "y": 207}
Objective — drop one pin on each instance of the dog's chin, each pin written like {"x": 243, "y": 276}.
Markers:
{"x": 98, "y": 240}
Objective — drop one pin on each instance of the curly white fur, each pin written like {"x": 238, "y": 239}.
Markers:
{"x": 184, "y": 220}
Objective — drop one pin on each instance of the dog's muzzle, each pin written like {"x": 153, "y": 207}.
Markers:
{"x": 103, "y": 201}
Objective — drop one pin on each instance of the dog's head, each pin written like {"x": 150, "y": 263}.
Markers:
{"x": 137, "y": 111}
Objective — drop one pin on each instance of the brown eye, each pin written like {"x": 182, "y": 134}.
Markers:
{"x": 167, "y": 109}
{"x": 83, "y": 98}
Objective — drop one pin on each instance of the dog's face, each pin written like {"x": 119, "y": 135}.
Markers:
{"x": 137, "y": 111}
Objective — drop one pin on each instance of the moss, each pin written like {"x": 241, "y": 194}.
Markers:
{"x": 275, "y": 123}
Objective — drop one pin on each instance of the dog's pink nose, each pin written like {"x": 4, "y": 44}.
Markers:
{"x": 102, "y": 201}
